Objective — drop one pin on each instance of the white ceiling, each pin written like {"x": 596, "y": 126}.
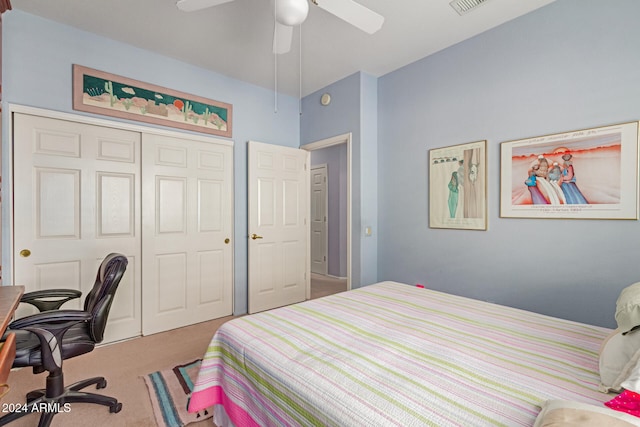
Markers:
{"x": 235, "y": 39}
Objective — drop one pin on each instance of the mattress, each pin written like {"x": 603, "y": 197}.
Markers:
{"x": 393, "y": 354}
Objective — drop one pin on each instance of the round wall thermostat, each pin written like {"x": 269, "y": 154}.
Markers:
{"x": 325, "y": 99}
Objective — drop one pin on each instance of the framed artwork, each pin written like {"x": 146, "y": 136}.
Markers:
{"x": 458, "y": 186}
{"x": 111, "y": 95}
{"x": 583, "y": 174}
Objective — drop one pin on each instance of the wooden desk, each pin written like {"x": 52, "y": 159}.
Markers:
{"x": 9, "y": 300}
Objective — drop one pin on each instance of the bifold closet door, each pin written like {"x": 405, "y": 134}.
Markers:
{"x": 187, "y": 230}
{"x": 76, "y": 192}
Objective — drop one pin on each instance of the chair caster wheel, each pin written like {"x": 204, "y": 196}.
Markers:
{"x": 116, "y": 408}
{"x": 101, "y": 384}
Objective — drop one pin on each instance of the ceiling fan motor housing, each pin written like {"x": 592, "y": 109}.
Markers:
{"x": 291, "y": 12}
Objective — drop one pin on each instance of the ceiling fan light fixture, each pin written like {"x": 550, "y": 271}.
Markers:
{"x": 291, "y": 12}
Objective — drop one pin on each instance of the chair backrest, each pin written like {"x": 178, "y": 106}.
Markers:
{"x": 99, "y": 299}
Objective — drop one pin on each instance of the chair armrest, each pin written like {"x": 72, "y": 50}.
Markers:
{"x": 51, "y": 319}
{"x": 41, "y": 299}
{"x": 50, "y": 328}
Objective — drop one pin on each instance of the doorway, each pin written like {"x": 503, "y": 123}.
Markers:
{"x": 335, "y": 152}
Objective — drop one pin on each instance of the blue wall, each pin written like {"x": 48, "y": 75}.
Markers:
{"x": 570, "y": 65}
{"x": 37, "y": 59}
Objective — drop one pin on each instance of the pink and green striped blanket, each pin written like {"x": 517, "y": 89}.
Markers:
{"x": 392, "y": 354}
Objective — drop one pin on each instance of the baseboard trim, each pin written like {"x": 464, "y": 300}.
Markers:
{"x": 328, "y": 276}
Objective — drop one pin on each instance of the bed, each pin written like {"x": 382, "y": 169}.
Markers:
{"x": 393, "y": 354}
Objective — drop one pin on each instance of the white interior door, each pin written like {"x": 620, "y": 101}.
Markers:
{"x": 278, "y": 181}
{"x": 76, "y": 196}
{"x": 319, "y": 225}
{"x": 187, "y": 229}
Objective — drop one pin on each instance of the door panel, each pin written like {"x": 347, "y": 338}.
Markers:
{"x": 57, "y": 203}
{"x": 116, "y": 201}
{"x": 278, "y": 229}
{"x": 65, "y": 275}
{"x": 188, "y": 224}
{"x": 171, "y": 273}
{"x": 319, "y": 213}
{"x": 209, "y": 264}
{"x": 210, "y": 209}
{"x": 171, "y": 205}
{"x": 267, "y": 206}
{"x": 76, "y": 194}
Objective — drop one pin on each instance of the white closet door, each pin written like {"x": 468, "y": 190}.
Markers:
{"x": 187, "y": 229}
{"x": 76, "y": 199}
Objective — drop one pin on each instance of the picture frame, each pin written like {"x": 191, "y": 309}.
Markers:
{"x": 458, "y": 186}
{"x": 108, "y": 94}
{"x": 583, "y": 174}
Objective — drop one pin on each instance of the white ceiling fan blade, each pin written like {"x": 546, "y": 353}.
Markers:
{"x": 354, "y": 13}
{"x": 193, "y": 5}
{"x": 282, "y": 36}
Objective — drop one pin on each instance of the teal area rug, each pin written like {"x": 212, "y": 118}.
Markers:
{"x": 169, "y": 391}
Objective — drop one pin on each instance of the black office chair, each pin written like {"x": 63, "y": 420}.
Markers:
{"x": 45, "y": 339}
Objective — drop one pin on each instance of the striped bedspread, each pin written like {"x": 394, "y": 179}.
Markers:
{"x": 392, "y": 354}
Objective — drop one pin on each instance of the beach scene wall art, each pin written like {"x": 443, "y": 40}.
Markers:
{"x": 108, "y": 94}
{"x": 583, "y": 174}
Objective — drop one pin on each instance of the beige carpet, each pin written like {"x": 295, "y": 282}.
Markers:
{"x": 124, "y": 364}
{"x": 322, "y": 286}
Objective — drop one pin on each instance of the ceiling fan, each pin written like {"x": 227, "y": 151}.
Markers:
{"x": 290, "y": 13}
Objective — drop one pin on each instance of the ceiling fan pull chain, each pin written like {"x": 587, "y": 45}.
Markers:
{"x": 275, "y": 61}
{"x": 300, "y": 74}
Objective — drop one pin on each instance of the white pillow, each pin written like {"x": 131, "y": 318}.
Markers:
{"x": 628, "y": 308}
{"x": 619, "y": 354}
{"x": 633, "y": 380}
{"x": 564, "y": 413}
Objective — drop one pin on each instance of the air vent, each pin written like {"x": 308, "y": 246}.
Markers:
{"x": 466, "y": 6}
